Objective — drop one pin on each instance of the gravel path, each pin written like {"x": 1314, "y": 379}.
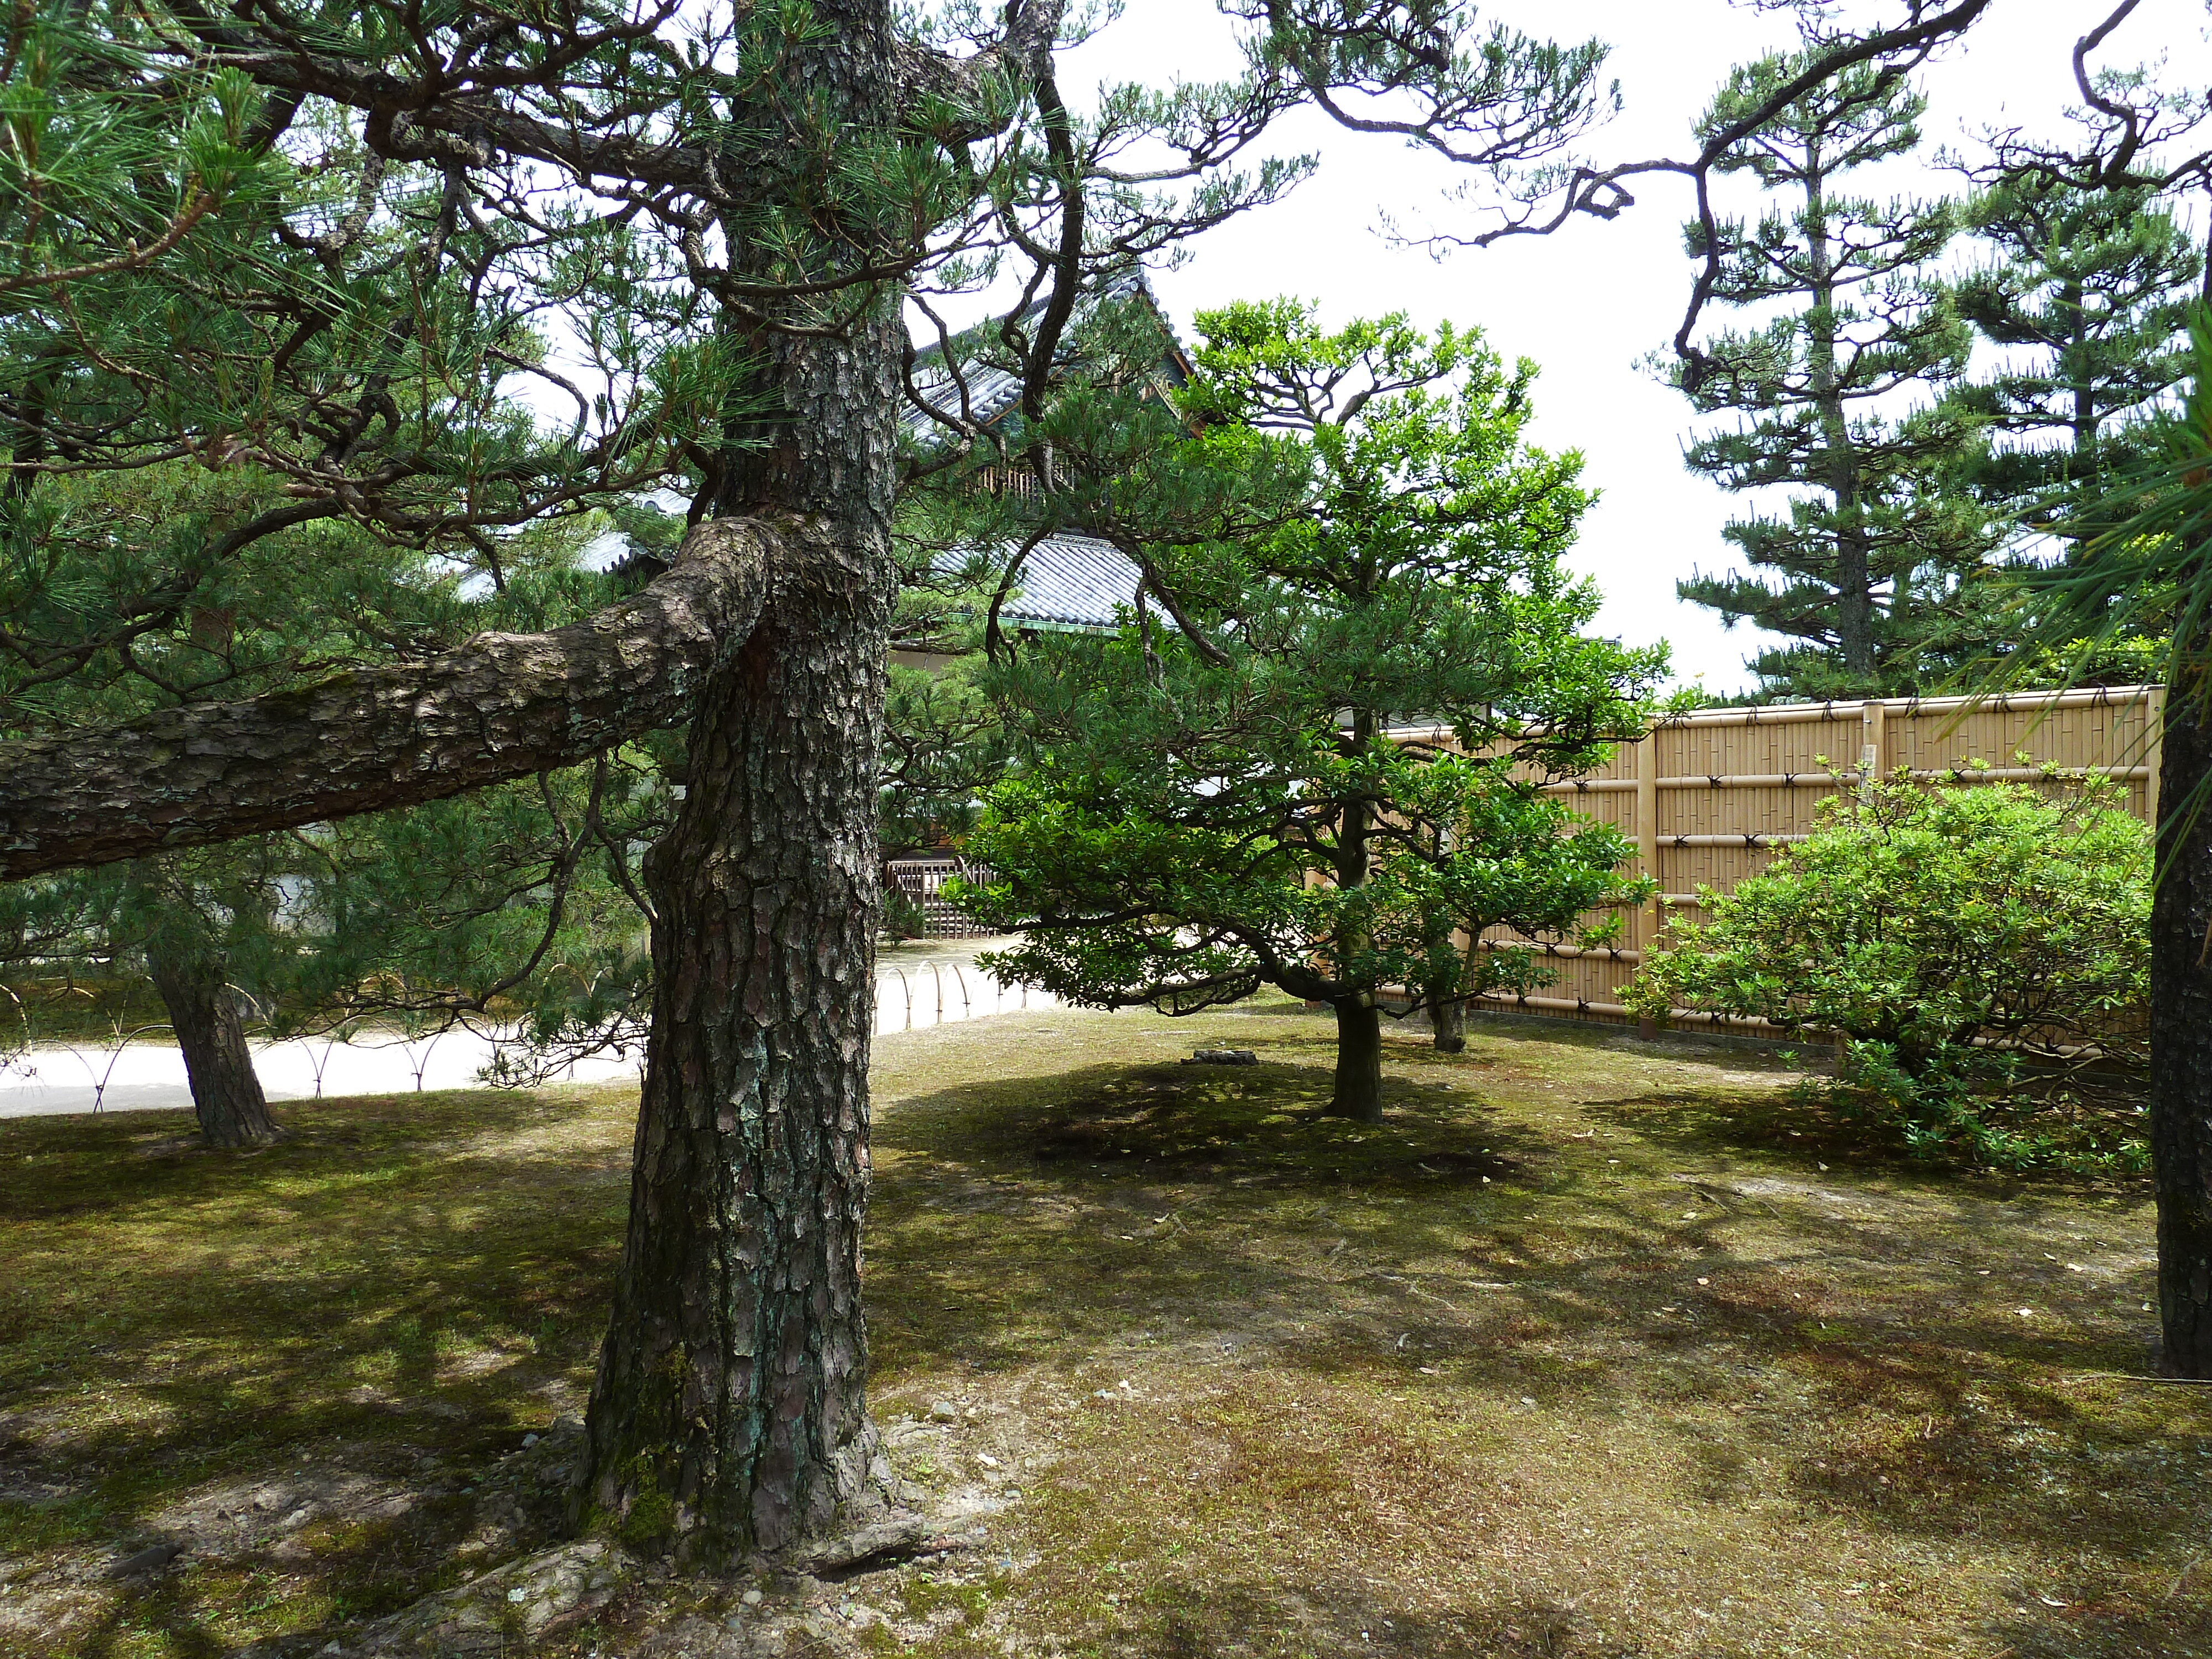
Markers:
{"x": 923, "y": 983}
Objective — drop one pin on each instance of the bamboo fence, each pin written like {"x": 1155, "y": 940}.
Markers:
{"x": 1708, "y": 796}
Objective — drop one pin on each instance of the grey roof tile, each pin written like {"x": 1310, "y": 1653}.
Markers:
{"x": 1072, "y": 581}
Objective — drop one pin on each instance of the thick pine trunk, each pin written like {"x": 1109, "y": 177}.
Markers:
{"x": 226, "y": 1093}
{"x": 729, "y": 1414}
{"x": 2181, "y": 1042}
{"x": 1855, "y": 607}
{"x": 1358, "y": 1062}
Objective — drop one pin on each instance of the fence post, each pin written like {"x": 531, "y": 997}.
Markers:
{"x": 2154, "y": 712}
{"x": 1647, "y": 850}
{"x": 1873, "y": 735}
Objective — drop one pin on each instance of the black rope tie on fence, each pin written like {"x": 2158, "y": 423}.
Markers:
{"x": 1714, "y": 779}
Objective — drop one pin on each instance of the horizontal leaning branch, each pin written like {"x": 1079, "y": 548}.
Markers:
{"x": 503, "y": 706}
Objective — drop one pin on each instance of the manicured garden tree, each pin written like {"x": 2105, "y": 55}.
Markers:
{"x": 195, "y": 930}
{"x": 2087, "y": 293}
{"x": 2141, "y": 568}
{"x": 1358, "y": 537}
{"x": 426, "y": 918}
{"x": 1949, "y": 935}
{"x": 723, "y": 208}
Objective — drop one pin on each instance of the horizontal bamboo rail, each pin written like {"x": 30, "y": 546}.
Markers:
{"x": 1748, "y": 838}
{"x": 1539, "y": 947}
{"x": 1798, "y": 714}
{"x": 1836, "y": 779}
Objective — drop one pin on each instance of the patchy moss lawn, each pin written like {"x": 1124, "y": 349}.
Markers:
{"x": 1594, "y": 1348}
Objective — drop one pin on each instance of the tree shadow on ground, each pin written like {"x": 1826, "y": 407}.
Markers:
{"x": 307, "y": 1365}
{"x": 1452, "y": 1378}
{"x": 1847, "y": 1358}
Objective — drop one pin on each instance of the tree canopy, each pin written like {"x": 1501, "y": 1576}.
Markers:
{"x": 1361, "y": 540}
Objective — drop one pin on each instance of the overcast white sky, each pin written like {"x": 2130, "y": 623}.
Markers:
{"x": 1589, "y": 302}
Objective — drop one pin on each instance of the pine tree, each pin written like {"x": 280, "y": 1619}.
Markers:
{"x": 1878, "y": 536}
{"x": 2136, "y": 568}
{"x": 724, "y": 212}
{"x": 1360, "y": 537}
{"x": 2087, "y": 293}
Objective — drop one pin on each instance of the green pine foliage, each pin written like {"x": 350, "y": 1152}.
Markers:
{"x": 1358, "y": 540}
{"x": 1958, "y": 940}
{"x": 271, "y": 406}
{"x": 1878, "y": 537}
{"x": 517, "y": 905}
{"x": 2086, "y": 296}
{"x": 2087, "y": 293}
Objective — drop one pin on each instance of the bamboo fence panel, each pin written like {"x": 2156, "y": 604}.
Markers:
{"x": 1709, "y": 797}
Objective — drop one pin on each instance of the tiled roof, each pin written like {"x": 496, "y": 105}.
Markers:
{"x": 992, "y": 391}
{"x": 1069, "y": 580}
{"x": 1072, "y": 581}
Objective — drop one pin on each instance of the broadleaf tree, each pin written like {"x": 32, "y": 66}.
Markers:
{"x": 1357, "y": 539}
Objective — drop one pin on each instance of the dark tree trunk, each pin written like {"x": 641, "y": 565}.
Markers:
{"x": 2181, "y": 1041}
{"x": 729, "y": 1414}
{"x": 225, "y": 1094}
{"x": 1448, "y": 1018}
{"x": 1854, "y": 604}
{"x": 1358, "y": 1062}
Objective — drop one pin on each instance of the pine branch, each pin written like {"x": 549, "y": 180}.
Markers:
{"x": 500, "y": 707}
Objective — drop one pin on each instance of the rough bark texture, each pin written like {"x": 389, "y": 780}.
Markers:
{"x": 1358, "y": 1091}
{"x": 2181, "y": 1042}
{"x": 503, "y": 706}
{"x": 729, "y": 1414}
{"x": 1448, "y": 1018}
{"x": 226, "y": 1092}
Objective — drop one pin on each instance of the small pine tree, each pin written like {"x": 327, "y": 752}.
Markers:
{"x": 1359, "y": 540}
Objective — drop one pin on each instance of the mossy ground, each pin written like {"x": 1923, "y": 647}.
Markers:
{"x": 1594, "y": 1348}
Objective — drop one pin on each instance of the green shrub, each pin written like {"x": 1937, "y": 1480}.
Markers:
{"x": 1959, "y": 940}
{"x": 902, "y": 917}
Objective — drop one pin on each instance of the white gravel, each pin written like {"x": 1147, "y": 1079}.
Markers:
{"x": 148, "y": 1073}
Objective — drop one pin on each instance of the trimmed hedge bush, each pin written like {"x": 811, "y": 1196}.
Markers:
{"x": 1963, "y": 942}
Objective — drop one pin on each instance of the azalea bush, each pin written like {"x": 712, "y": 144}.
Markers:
{"x": 1984, "y": 952}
